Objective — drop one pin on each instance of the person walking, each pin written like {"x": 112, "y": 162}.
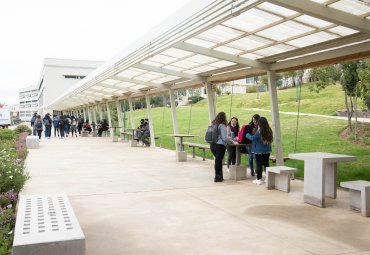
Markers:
{"x": 74, "y": 126}
{"x": 61, "y": 127}
{"x": 80, "y": 122}
{"x": 261, "y": 147}
{"x": 218, "y": 149}
{"x": 38, "y": 126}
{"x": 33, "y": 119}
{"x": 56, "y": 125}
{"x": 47, "y": 123}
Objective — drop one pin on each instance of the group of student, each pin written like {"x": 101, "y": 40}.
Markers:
{"x": 257, "y": 135}
{"x": 143, "y": 132}
{"x": 64, "y": 125}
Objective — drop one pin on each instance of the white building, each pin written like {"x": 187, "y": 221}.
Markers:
{"x": 58, "y": 76}
{"x": 28, "y": 102}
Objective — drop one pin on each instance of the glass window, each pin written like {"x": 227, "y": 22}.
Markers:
{"x": 312, "y": 39}
{"x": 251, "y": 20}
{"x": 352, "y": 6}
{"x": 285, "y": 30}
{"x": 273, "y": 50}
{"x": 343, "y": 30}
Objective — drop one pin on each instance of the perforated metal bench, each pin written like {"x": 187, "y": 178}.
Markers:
{"x": 359, "y": 196}
{"x": 46, "y": 224}
{"x": 200, "y": 146}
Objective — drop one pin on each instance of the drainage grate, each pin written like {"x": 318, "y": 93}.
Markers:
{"x": 45, "y": 218}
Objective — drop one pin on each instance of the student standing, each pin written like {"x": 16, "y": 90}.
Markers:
{"x": 218, "y": 149}
{"x": 38, "y": 126}
{"x": 261, "y": 147}
{"x": 56, "y": 125}
{"x": 232, "y": 133}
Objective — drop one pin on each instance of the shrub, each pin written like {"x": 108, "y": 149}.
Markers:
{"x": 6, "y": 134}
{"x": 195, "y": 99}
{"x": 22, "y": 129}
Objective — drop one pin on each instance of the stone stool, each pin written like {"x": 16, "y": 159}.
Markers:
{"x": 278, "y": 177}
{"x": 32, "y": 142}
{"x": 359, "y": 196}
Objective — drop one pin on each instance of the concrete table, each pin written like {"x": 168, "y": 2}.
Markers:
{"x": 238, "y": 172}
{"x": 320, "y": 174}
{"x": 181, "y": 155}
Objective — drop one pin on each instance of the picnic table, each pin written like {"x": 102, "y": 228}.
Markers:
{"x": 320, "y": 174}
{"x": 181, "y": 155}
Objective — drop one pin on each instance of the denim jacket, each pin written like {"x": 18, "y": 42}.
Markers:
{"x": 258, "y": 146}
{"x": 222, "y": 138}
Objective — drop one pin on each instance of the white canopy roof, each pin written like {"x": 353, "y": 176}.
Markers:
{"x": 213, "y": 41}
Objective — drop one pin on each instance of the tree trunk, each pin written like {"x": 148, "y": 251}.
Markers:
{"x": 348, "y": 114}
{"x": 355, "y": 103}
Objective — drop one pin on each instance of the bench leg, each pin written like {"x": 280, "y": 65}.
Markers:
{"x": 365, "y": 202}
{"x": 204, "y": 154}
{"x": 193, "y": 152}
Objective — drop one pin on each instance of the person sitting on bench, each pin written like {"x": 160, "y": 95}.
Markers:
{"x": 146, "y": 133}
{"x": 104, "y": 127}
{"x": 140, "y": 132}
{"x": 87, "y": 126}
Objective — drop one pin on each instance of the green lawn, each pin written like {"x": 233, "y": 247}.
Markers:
{"x": 314, "y": 134}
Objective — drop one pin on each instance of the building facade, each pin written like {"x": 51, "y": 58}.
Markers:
{"x": 28, "y": 102}
{"x": 58, "y": 76}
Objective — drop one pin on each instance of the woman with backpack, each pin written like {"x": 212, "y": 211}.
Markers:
{"x": 74, "y": 126}
{"x": 218, "y": 149}
{"x": 261, "y": 147}
{"x": 232, "y": 133}
{"x": 38, "y": 125}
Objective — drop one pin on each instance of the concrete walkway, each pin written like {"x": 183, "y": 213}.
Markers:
{"x": 140, "y": 201}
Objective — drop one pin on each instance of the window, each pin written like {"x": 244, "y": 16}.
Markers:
{"x": 78, "y": 77}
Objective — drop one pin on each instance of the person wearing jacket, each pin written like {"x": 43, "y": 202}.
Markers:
{"x": 47, "y": 123}
{"x": 232, "y": 132}
{"x": 218, "y": 149}
{"x": 251, "y": 129}
{"x": 56, "y": 125}
{"x": 38, "y": 125}
{"x": 261, "y": 147}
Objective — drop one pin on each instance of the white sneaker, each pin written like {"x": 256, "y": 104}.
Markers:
{"x": 255, "y": 181}
{"x": 259, "y": 182}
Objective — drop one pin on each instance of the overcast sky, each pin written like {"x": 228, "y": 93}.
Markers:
{"x": 70, "y": 29}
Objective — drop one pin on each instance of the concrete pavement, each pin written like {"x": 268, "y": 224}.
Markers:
{"x": 141, "y": 201}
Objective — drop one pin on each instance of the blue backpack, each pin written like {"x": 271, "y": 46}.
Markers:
{"x": 38, "y": 125}
{"x": 212, "y": 134}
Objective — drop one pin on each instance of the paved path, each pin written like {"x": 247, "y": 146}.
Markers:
{"x": 367, "y": 120}
{"x": 140, "y": 201}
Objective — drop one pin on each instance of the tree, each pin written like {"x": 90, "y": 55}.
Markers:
{"x": 349, "y": 81}
{"x": 364, "y": 83}
{"x": 323, "y": 77}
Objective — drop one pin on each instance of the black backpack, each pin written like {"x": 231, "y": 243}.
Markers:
{"x": 212, "y": 134}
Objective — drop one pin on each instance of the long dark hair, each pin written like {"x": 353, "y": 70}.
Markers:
{"x": 265, "y": 130}
{"x": 220, "y": 119}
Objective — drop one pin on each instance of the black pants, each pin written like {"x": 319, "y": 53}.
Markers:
{"x": 100, "y": 131}
{"x": 262, "y": 160}
{"x": 231, "y": 151}
{"x": 79, "y": 128}
{"x": 218, "y": 151}
{"x": 39, "y": 132}
{"x": 56, "y": 131}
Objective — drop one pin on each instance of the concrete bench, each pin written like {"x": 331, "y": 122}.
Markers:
{"x": 200, "y": 146}
{"x": 32, "y": 142}
{"x": 273, "y": 158}
{"x": 359, "y": 196}
{"x": 46, "y": 224}
{"x": 125, "y": 136}
{"x": 278, "y": 177}
{"x": 84, "y": 133}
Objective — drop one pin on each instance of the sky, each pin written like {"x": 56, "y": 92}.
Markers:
{"x": 31, "y": 31}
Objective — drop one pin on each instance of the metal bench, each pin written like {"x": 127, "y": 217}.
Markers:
{"x": 359, "y": 196}
{"x": 46, "y": 224}
{"x": 203, "y": 147}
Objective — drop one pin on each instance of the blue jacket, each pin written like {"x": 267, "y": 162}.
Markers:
{"x": 258, "y": 146}
{"x": 222, "y": 138}
{"x": 56, "y": 121}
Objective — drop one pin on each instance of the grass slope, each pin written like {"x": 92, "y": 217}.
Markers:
{"x": 314, "y": 133}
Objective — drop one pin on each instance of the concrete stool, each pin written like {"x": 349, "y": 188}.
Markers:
{"x": 278, "y": 177}
{"x": 115, "y": 138}
{"x": 84, "y": 133}
{"x": 94, "y": 134}
{"x": 359, "y": 196}
{"x": 32, "y": 142}
{"x": 133, "y": 143}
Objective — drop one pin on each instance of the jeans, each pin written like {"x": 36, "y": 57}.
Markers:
{"x": 231, "y": 151}
{"x": 218, "y": 150}
{"x": 262, "y": 160}
{"x": 47, "y": 131}
{"x": 250, "y": 158}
